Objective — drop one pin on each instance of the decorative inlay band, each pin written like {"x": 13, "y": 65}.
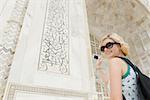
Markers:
{"x": 54, "y": 53}
{"x": 13, "y": 88}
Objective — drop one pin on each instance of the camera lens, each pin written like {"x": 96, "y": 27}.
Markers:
{"x": 95, "y": 57}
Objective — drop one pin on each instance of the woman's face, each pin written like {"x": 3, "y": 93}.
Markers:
{"x": 110, "y": 48}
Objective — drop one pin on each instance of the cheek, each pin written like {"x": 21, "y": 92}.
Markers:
{"x": 115, "y": 50}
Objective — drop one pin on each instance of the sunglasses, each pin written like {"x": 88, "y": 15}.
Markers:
{"x": 109, "y": 45}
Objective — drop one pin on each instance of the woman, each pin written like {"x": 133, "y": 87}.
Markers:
{"x": 123, "y": 80}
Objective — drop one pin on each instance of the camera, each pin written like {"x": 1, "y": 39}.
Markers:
{"x": 95, "y": 57}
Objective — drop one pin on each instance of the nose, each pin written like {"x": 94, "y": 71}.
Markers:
{"x": 105, "y": 49}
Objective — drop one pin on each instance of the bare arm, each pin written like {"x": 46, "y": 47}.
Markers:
{"x": 102, "y": 73}
{"x": 115, "y": 79}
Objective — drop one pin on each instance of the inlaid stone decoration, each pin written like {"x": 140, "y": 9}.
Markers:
{"x": 54, "y": 53}
{"x": 15, "y": 89}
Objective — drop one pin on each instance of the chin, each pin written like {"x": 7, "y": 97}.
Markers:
{"x": 109, "y": 56}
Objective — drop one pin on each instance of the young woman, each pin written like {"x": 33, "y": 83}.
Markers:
{"x": 123, "y": 80}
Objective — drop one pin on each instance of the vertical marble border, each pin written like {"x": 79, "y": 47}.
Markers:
{"x": 14, "y": 88}
{"x": 54, "y": 52}
{"x": 9, "y": 40}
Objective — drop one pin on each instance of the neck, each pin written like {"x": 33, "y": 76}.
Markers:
{"x": 121, "y": 55}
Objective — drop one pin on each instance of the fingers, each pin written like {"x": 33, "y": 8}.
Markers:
{"x": 98, "y": 63}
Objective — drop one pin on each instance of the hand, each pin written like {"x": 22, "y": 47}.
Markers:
{"x": 98, "y": 64}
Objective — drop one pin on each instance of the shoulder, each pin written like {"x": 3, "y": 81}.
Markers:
{"x": 116, "y": 61}
{"x": 116, "y": 64}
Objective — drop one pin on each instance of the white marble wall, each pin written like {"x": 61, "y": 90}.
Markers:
{"x": 31, "y": 96}
{"x": 25, "y": 68}
{"x": 10, "y": 31}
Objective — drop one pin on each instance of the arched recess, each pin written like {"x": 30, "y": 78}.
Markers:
{"x": 130, "y": 19}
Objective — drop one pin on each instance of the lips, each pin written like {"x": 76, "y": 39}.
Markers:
{"x": 109, "y": 53}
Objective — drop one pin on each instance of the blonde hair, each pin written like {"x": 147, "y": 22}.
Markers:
{"x": 116, "y": 38}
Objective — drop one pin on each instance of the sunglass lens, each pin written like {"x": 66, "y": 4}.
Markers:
{"x": 109, "y": 45}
